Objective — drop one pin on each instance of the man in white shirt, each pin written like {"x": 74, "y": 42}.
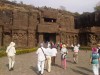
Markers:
{"x": 41, "y": 59}
{"x": 11, "y": 55}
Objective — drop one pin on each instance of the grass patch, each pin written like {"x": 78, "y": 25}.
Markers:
{"x": 82, "y": 48}
{"x": 18, "y": 51}
{"x": 85, "y": 48}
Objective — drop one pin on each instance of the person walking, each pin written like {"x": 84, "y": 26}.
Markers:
{"x": 54, "y": 54}
{"x": 11, "y": 55}
{"x": 48, "y": 56}
{"x": 94, "y": 60}
{"x": 41, "y": 59}
{"x": 76, "y": 51}
{"x": 64, "y": 53}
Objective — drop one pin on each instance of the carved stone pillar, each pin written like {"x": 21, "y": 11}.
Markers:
{"x": 92, "y": 39}
{"x": 24, "y": 40}
{"x": 1, "y": 36}
{"x": 68, "y": 40}
{"x": 57, "y": 38}
{"x": 20, "y": 37}
{"x": 7, "y": 39}
{"x": 31, "y": 41}
{"x": 15, "y": 38}
{"x": 40, "y": 38}
{"x": 75, "y": 39}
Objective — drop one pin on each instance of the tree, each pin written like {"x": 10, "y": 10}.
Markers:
{"x": 76, "y": 14}
{"x": 97, "y": 8}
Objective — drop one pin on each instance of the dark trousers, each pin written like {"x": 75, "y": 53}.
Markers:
{"x": 53, "y": 60}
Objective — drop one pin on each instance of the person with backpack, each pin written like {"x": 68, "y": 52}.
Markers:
{"x": 64, "y": 53}
{"x": 11, "y": 55}
{"x": 94, "y": 60}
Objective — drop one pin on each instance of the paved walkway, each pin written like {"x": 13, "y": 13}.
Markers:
{"x": 26, "y": 65}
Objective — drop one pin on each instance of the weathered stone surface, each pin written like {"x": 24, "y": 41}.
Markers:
{"x": 28, "y": 26}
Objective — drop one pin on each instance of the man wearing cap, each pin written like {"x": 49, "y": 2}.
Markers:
{"x": 11, "y": 55}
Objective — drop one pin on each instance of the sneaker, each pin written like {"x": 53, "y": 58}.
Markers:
{"x": 75, "y": 62}
{"x": 10, "y": 69}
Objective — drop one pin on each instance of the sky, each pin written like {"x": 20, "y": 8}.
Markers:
{"x": 79, "y": 6}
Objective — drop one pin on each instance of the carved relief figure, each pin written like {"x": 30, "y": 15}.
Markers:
{"x": 92, "y": 39}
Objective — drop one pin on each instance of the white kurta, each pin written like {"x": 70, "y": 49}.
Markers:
{"x": 40, "y": 54}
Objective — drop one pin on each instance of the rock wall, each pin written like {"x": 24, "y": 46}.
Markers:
{"x": 27, "y": 25}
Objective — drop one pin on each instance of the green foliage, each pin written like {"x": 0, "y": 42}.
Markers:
{"x": 97, "y": 8}
{"x": 18, "y": 51}
{"x": 82, "y": 48}
{"x": 85, "y": 48}
{"x": 22, "y": 51}
{"x": 76, "y": 14}
{"x": 2, "y": 48}
{"x": 2, "y": 53}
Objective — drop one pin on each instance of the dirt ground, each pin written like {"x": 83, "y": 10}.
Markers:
{"x": 26, "y": 64}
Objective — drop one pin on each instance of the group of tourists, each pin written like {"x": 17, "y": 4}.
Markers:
{"x": 47, "y": 52}
{"x": 46, "y": 57}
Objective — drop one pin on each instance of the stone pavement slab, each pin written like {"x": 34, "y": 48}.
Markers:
{"x": 26, "y": 64}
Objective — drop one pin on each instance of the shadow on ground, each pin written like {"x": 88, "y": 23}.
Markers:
{"x": 70, "y": 61}
{"x": 56, "y": 65}
{"x": 34, "y": 69}
{"x": 80, "y": 72}
{"x": 83, "y": 68}
{"x": 7, "y": 65}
